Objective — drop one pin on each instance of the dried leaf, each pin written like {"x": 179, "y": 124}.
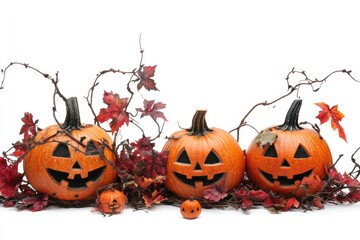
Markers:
{"x": 334, "y": 114}
{"x": 146, "y": 80}
{"x": 10, "y": 178}
{"x": 291, "y": 203}
{"x": 216, "y": 193}
{"x": 29, "y": 127}
{"x": 116, "y": 111}
{"x": 156, "y": 198}
{"x": 265, "y": 138}
{"x": 152, "y": 109}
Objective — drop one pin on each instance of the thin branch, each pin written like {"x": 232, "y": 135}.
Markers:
{"x": 291, "y": 89}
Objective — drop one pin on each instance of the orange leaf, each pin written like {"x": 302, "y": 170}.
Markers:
{"x": 334, "y": 114}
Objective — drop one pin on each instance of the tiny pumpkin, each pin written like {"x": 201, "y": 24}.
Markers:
{"x": 190, "y": 208}
{"x": 66, "y": 162}
{"x": 201, "y": 157}
{"x": 295, "y": 153}
{"x": 111, "y": 201}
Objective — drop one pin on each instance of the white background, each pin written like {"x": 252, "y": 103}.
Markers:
{"x": 224, "y": 55}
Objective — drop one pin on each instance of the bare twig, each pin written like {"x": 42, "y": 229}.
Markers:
{"x": 291, "y": 89}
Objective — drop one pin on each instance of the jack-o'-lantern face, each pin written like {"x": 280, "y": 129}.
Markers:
{"x": 295, "y": 154}
{"x": 197, "y": 162}
{"x": 190, "y": 208}
{"x": 80, "y": 174}
{"x": 199, "y": 172}
{"x": 293, "y": 172}
{"x": 70, "y": 166}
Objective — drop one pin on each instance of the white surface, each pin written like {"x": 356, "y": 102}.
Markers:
{"x": 222, "y": 55}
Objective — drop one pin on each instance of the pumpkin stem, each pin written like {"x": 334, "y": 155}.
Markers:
{"x": 72, "y": 119}
{"x": 199, "y": 126}
{"x": 292, "y": 117}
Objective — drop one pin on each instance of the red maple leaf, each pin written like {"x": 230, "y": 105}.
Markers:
{"x": 29, "y": 127}
{"x": 10, "y": 178}
{"x": 19, "y": 149}
{"x": 155, "y": 198}
{"x": 35, "y": 202}
{"x": 146, "y": 80}
{"x": 152, "y": 109}
{"x": 334, "y": 114}
{"x": 116, "y": 111}
{"x": 148, "y": 162}
{"x": 291, "y": 203}
{"x": 216, "y": 193}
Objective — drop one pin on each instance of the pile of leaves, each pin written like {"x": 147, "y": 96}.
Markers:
{"x": 335, "y": 188}
{"x": 141, "y": 168}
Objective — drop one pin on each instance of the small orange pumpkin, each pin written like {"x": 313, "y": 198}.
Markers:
{"x": 111, "y": 201}
{"x": 296, "y": 153}
{"x": 200, "y": 157}
{"x": 62, "y": 167}
{"x": 190, "y": 208}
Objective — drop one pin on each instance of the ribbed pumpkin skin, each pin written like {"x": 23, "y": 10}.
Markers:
{"x": 112, "y": 201}
{"x": 222, "y": 143}
{"x": 283, "y": 173}
{"x": 286, "y": 146}
{"x": 190, "y": 209}
{"x": 41, "y": 158}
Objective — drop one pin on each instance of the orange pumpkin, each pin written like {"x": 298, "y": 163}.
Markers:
{"x": 200, "y": 157}
{"x": 111, "y": 201}
{"x": 296, "y": 153}
{"x": 70, "y": 167}
{"x": 190, "y": 208}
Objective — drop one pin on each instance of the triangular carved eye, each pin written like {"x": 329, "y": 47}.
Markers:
{"x": 212, "y": 158}
{"x": 91, "y": 149}
{"x": 301, "y": 152}
{"x": 183, "y": 158}
{"x": 271, "y": 152}
{"x": 62, "y": 150}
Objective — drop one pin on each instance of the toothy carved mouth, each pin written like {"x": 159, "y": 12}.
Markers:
{"x": 204, "y": 179}
{"x": 77, "y": 182}
{"x": 283, "y": 180}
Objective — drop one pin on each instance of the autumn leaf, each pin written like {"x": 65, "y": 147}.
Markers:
{"x": 10, "y": 178}
{"x": 146, "y": 80}
{"x": 334, "y": 114}
{"x": 35, "y": 202}
{"x": 155, "y": 198}
{"x": 265, "y": 138}
{"x": 115, "y": 111}
{"x": 291, "y": 203}
{"x": 148, "y": 162}
{"x": 257, "y": 195}
{"x": 309, "y": 185}
{"x": 216, "y": 193}
{"x": 29, "y": 127}
{"x": 19, "y": 149}
{"x": 152, "y": 109}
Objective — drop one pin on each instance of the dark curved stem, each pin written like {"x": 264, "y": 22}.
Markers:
{"x": 72, "y": 119}
{"x": 199, "y": 126}
{"x": 292, "y": 117}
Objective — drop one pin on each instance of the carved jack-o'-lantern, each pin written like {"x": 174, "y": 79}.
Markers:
{"x": 70, "y": 167}
{"x": 190, "y": 208}
{"x": 200, "y": 157}
{"x": 111, "y": 201}
{"x": 296, "y": 153}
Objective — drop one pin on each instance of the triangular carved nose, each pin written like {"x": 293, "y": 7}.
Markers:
{"x": 197, "y": 167}
{"x": 76, "y": 166}
{"x": 285, "y": 163}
